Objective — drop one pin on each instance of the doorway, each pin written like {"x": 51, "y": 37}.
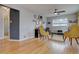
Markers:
{"x": 10, "y": 22}
{"x": 5, "y": 18}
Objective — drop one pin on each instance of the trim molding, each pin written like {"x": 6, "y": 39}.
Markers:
{"x": 21, "y": 39}
{"x": 1, "y": 38}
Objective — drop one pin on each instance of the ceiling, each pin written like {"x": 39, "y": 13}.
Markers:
{"x": 45, "y": 9}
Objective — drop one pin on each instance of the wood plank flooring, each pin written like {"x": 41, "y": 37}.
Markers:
{"x": 31, "y": 46}
{"x": 37, "y": 46}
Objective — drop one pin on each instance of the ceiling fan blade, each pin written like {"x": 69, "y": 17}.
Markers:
{"x": 61, "y": 11}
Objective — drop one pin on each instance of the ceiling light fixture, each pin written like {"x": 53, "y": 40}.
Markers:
{"x": 55, "y": 13}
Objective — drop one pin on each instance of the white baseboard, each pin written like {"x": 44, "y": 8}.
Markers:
{"x": 1, "y": 38}
{"x": 22, "y": 39}
{"x": 27, "y": 38}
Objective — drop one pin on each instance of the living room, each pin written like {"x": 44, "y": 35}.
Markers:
{"x": 51, "y": 20}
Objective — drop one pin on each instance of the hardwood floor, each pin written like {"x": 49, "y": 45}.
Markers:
{"x": 58, "y": 45}
{"x": 31, "y": 46}
{"x": 37, "y": 46}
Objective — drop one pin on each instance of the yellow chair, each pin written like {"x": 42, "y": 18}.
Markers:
{"x": 66, "y": 35}
{"x": 43, "y": 33}
{"x": 73, "y": 33}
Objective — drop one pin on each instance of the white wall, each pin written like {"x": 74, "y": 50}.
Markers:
{"x": 26, "y": 22}
{"x": 45, "y": 21}
{"x": 1, "y": 25}
{"x": 55, "y": 28}
{"x": 26, "y": 25}
{"x": 78, "y": 18}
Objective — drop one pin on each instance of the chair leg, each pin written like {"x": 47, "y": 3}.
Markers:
{"x": 76, "y": 41}
{"x": 64, "y": 38}
{"x": 49, "y": 37}
{"x": 46, "y": 38}
{"x": 70, "y": 41}
{"x": 42, "y": 38}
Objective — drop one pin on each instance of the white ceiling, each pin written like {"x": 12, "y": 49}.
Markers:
{"x": 45, "y": 9}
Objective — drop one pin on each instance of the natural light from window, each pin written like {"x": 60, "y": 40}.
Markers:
{"x": 60, "y": 22}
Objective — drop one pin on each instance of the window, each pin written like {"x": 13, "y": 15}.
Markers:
{"x": 60, "y": 22}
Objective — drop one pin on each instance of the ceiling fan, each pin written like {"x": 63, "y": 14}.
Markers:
{"x": 56, "y": 12}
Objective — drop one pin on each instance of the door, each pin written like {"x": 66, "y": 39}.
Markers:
{"x": 14, "y": 24}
